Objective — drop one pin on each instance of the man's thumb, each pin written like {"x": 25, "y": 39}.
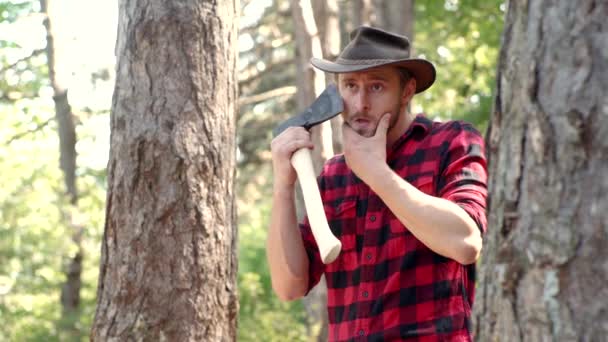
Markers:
{"x": 383, "y": 124}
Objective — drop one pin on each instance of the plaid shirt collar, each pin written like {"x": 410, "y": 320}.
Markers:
{"x": 420, "y": 125}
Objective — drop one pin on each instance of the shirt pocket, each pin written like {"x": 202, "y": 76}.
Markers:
{"x": 342, "y": 219}
{"x": 346, "y": 208}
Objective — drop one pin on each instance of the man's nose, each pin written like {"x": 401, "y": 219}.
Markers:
{"x": 362, "y": 102}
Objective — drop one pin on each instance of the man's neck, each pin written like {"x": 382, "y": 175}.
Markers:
{"x": 401, "y": 126}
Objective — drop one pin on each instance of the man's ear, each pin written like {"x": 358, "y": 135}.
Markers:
{"x": 409, "y": 90}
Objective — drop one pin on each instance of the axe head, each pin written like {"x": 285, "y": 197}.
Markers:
{"x": 325, "y": 107}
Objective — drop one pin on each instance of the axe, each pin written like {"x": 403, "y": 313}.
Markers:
{"x": 325, "y": 107}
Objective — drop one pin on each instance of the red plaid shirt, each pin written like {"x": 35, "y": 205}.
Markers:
{"x": 386, "y": 285}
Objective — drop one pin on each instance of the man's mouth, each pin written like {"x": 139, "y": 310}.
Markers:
{"x": 361, "y": 121}
{"x": 363, "y": 125}
{"x": 359, "y": 117}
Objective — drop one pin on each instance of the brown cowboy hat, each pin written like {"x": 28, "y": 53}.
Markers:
{"x": 371, "y": 47}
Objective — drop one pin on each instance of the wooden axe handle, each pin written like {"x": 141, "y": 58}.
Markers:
{"x": 329, "y": 245}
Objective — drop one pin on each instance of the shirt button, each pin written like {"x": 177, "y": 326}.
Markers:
{"x": 372, "y": 218}
{"x": 361, "y": 332}
{"x": 365, "y": 294}
{"x": 368, "y": 256}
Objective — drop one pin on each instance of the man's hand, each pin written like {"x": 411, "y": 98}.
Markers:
{"x": 282, "y": 147}
{"x": 364, "y": 155}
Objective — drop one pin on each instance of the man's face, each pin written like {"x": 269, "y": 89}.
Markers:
{"x": 370, "y": 94}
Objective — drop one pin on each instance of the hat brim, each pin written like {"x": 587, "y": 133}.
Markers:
{"x": 421, "y": 69}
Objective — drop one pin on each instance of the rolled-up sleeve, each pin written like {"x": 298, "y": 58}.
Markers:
{"x": 316, "y": 266}
{"x": 464, "y": 175}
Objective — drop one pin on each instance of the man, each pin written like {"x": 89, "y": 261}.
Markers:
{"x": 407, "y": 200}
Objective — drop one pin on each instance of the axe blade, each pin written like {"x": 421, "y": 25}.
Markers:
{"x": 325, "y": 107}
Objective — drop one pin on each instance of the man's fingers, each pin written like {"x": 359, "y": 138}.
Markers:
{"x": 298, "y": 144}
{"x": 296, "y": 133}
{"x": 383, "y": 125}
{"x": 292, "y": 134}
{"x": 291, "y": 140}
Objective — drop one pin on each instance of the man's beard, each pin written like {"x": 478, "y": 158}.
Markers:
{"x": 370, "y": 132}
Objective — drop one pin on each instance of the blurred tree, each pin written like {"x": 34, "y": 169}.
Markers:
{"x": 396, "y": 16}
{"x": 363, "y": 13}
{"x": 311, "y": 81}
{"x": 267, "y": 79}
{"x": 168, "y": 269}
{"x": 328, "y": 22}
{"x": 70, "y": 292}
{"x": 543, "y": 270}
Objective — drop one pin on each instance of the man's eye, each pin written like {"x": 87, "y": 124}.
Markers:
{"x": 376, "y": 87}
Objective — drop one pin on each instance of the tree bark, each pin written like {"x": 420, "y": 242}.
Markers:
{"x": 168, "y": 265}
{"x": 543, "y": 271}
{"x": 70, "y": 291}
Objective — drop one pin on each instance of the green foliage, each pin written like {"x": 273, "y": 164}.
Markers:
{"x": 262, "y": 316}
{"x": 35, "y": 243}
{"x": 34, "y": 240}
{"x": 462, "y": 39}
{"x": 11, "y": 10}
{"x": 32, "y": 237}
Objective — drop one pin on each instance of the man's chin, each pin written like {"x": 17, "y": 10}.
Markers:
{"x": 364, "y": 130}
{"x": 368, "y": 134}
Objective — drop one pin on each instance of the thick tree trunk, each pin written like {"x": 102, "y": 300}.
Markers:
{"x": 543, "y": 270}
{"x": 70, "y": 292}
{"x": 168, "y": 266}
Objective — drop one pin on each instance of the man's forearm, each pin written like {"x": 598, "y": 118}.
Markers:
{"x": 287, "y": 256}
{"x": 440, "y": 224}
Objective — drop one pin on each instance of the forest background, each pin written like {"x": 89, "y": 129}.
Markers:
{"x": 40, "y": 249}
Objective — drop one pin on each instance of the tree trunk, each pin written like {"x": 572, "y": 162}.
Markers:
{"x": 543, "y": 271}
{"x": 168, "y": 265}
{"x": 328, "y": 21}
{"x": 396, "y": 16}
{"x": 70, "y": 292}
{"x": 363, "y": 13}
{"x": 353, "y": 14}
{"x": 311, "y": 83}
